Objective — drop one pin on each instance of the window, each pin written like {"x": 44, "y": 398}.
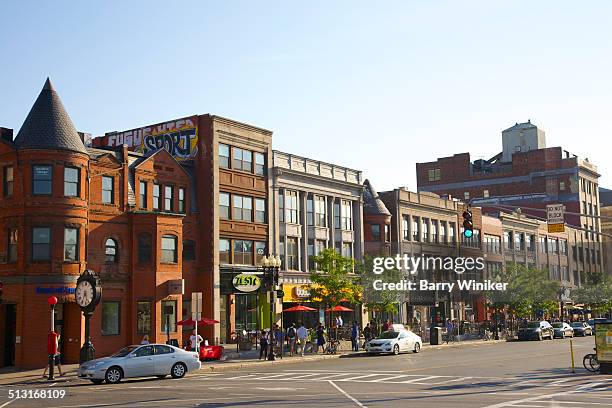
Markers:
{"x": 416, "y": 229}
{"x": 281, "y": 206}
{"x": 519, "y": 241}
{"x": 531, "y": 243}
{"x": 163, "y": 349}
{"x": 337, "y": 215}
{"x": 375, "y": 228}
{"x": 562, "y": 185}
{"x": 169, "y": 198}
{"x": 7, "y": 179}
{"x": 443, "y": 232}
{"x": 320, "y": 218}
{"x": 314, "y": 248}
{"x": 224, "y": 251}
{"x": 387, "y": 233}
{"x": 181, "y": 200}
{"x": 189, "y": 252}
{"x": 543, "y": 245}
{"x": 168, "y": 315}
{"x": 13, "y": 241}
{"x": 347, "y": 250}
{"x": 347, "y": 215}
{"x": 156, "y": 196}
{"x": 563, "y": 247}
{"x": 425, "y": 223}
{"x": 309, "y": 211}
{"x": 143, "y": 317}
{"x": 224, "y": 205}
{"x": 224, "y": 156}
{"x": 485, "y": 193}
{"x": 169, "y": 252}
{"x": 260, "y": 163}
{"x": 405, "y": 228}
{"x": 466, "y": 195}
{"x": 243, "y": 160}
{"x": 144, "y": 247}
{"x": 142, "y": 189}
{"x": 243, "y": 208}
{"x": 42, "y": 177}
{"x": 433, "y": 174}
{"x": 508, "y": 240}
{"x": 243, "y": 252}
{"x": 260, "y": 252}
{"x": 492, "y": 244}
{"x": 71, "y": 244}
{"x": 292, "y": 254}
{"x": 111, "y": 250}
{"x": 71, "y": 181}
{"x": 110, "y": 318}
{"x": 144, "y": 351}
{"x": 291, "y": 207}
{"x": 451, "y": 232}
{"x": 434, "y": 231}
{"x": 260, "y": 210}
{"x": 108, "y": 189}
{"x": 41, "y": 243}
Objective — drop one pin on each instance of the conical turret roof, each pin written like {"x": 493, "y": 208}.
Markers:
{"x": 372, "y": 204}
{"x": 48, "y": 125}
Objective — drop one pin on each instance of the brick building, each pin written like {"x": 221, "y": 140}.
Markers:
{"x": 525, "y": 174}
{"x": 149, "y": 220}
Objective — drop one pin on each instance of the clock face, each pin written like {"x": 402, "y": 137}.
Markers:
{"x": 84, "y": 293}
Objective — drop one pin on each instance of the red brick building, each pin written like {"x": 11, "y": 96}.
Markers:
{"x": 151, "y": 209}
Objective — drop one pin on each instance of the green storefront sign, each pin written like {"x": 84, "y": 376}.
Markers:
{"x": 603, "y": 341}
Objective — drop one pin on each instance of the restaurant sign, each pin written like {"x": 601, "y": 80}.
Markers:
{"x": 246, "y": 282}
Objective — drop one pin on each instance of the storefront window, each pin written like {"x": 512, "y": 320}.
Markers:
{"x": 260, "y": 252}
{"x": 143, "y": 317}
{"x": 110, "y": 318}
{"x": 168, "y": 314}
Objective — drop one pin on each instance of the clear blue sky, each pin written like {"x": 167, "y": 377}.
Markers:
{"x": 372, "y": 87}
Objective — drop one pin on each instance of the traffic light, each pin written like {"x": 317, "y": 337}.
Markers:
{"x": 468, "y": 224}
{"x": 1, "y": 287}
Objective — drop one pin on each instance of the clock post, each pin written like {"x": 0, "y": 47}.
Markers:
{"x": 88, "y": 294}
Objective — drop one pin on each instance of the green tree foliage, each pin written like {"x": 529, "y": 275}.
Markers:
{"x": 335, "y": 280}
{"x": 596, "y": 293}
{"x": 384, "y": 301}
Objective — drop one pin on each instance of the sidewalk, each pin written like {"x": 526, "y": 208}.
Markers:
{"x": 247, "y": 360}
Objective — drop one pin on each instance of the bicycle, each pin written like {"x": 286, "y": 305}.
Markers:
{"x": 487, "y": 335}
{"x": 590, "y": 362}
{"x": 332, "y": 346}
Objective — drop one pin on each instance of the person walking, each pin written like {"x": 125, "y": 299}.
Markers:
{"x": 385, "y": 326}
{"x": 57, "y": 358}
{"x": 302, "y": 335}
{"x": 355, "y": 336}
{"x": 291, "y": 337}
{"x": 263, "y": 345}
{"x": 374, "y": 327}
{"x": 320, "y": 338}
{"x": 367, "y": 334}
{"x": 449, "y": 330}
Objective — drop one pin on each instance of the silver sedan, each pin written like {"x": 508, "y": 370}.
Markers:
{"x": 140, "y": 361}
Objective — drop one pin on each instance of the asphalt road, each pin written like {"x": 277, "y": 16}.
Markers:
{"x": 517, "y": 374}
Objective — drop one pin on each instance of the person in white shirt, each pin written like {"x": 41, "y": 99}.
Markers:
{"x": 193, "y": 341}
{"x": 302, "y": 334}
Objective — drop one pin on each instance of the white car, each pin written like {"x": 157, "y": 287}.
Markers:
{"x": 140, "y": 361}
{"x": 395, "y": 341}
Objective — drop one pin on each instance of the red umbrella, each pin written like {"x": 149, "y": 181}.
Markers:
{"x": 339, "y": 308}
{"x": 300, "y": 308}
{"x": 205, "y": 321}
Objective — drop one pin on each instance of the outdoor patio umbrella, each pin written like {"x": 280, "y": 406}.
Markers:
{"x": 300, "y": 308}
{"x": 339, "y": 308}
{"x": 205, "y": 321}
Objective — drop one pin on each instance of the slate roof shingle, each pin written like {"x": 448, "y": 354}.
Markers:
{"x": 372, "y": 204}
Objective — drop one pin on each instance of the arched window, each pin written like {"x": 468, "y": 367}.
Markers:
{"x": 144, "y": 248}
{"x": 111, "y": 250}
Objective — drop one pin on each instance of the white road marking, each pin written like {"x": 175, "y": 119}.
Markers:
{"x": 359, "y": 404}
{"x": 420, "y": 379}
{"x": 278, "y": 389}
{"x": 536, "y": 398}
{"x": 452, "y": 380}
{"x": 6, "y": 403}
{"x": 356, "y": 378}
{"x": 393, "y": 378}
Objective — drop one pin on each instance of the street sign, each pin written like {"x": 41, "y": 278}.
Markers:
{"x": 196, "y": 305}
{"x": 280, "y": 294}
{"x": 555, "y": 217}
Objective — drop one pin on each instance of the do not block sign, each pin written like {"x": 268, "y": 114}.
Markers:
{"x": 555, "y": 217}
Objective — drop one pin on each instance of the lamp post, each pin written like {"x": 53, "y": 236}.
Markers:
{"x": 52, "y": 338}
{"x": 271, "y": 266}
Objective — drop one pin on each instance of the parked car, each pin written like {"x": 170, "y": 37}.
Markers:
{"x": 537, "y": 330}
{"x": 562, "y": 330}
{"x": 395, "y": 341}
{"x": 582, "y": 329}
{"x": 140, "y": 361}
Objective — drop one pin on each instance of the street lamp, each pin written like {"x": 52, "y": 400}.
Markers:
{"x": 271, "y": 266}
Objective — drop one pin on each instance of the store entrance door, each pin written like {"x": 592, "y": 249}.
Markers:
{"x": 8, "y": 313}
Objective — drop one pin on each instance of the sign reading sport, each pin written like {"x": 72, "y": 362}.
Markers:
{"x": 179, "y": 137}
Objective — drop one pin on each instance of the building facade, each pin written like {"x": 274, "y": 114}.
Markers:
{"x": 317, "y": 205}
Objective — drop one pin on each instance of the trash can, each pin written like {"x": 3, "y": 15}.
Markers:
{"x": 603, "y": 345}
{"x": 435, "y": 335}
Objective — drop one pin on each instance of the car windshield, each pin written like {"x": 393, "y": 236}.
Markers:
{"x": 389, "y": 335}
{"x": 576, "y": 324}
{"x": 557, "y": 325}
{"x": 124, "y": 351}
{"x": 532, "y": 325}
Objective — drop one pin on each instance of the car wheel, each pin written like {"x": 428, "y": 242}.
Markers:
{"x": 161, "y": 377}
{"x": 178, "y": 370}
{"x": 97, "y": 382}
{"x": 113, "y": 375}
{"x": 396, "y": 349}
{"x": 562, "y": 335}
{"x": 417, "y": 347}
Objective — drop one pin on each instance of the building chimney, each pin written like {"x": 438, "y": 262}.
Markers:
{"x": 6, "y": 134}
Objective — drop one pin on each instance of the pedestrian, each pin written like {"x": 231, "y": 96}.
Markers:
{"x": 374, "y": 328}
{"x": 385, "y": 326}
{"x": 320, "y": 338}
{"x": 449, "y": 330}
{"x": 278, "y": 340}
{"x": 57, "y": 358}
{"x": 355, "y": 336}
{"x": 302, "y": 335}
{"x": 263, "y": 345}
{"x": 195, "y": 341}
{"x": 291, "y": 337}
{"x": 145, "y": 339}
{"x": 367, "y": 333}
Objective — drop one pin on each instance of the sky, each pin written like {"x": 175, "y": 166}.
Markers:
{"x": 374, "y": 87}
